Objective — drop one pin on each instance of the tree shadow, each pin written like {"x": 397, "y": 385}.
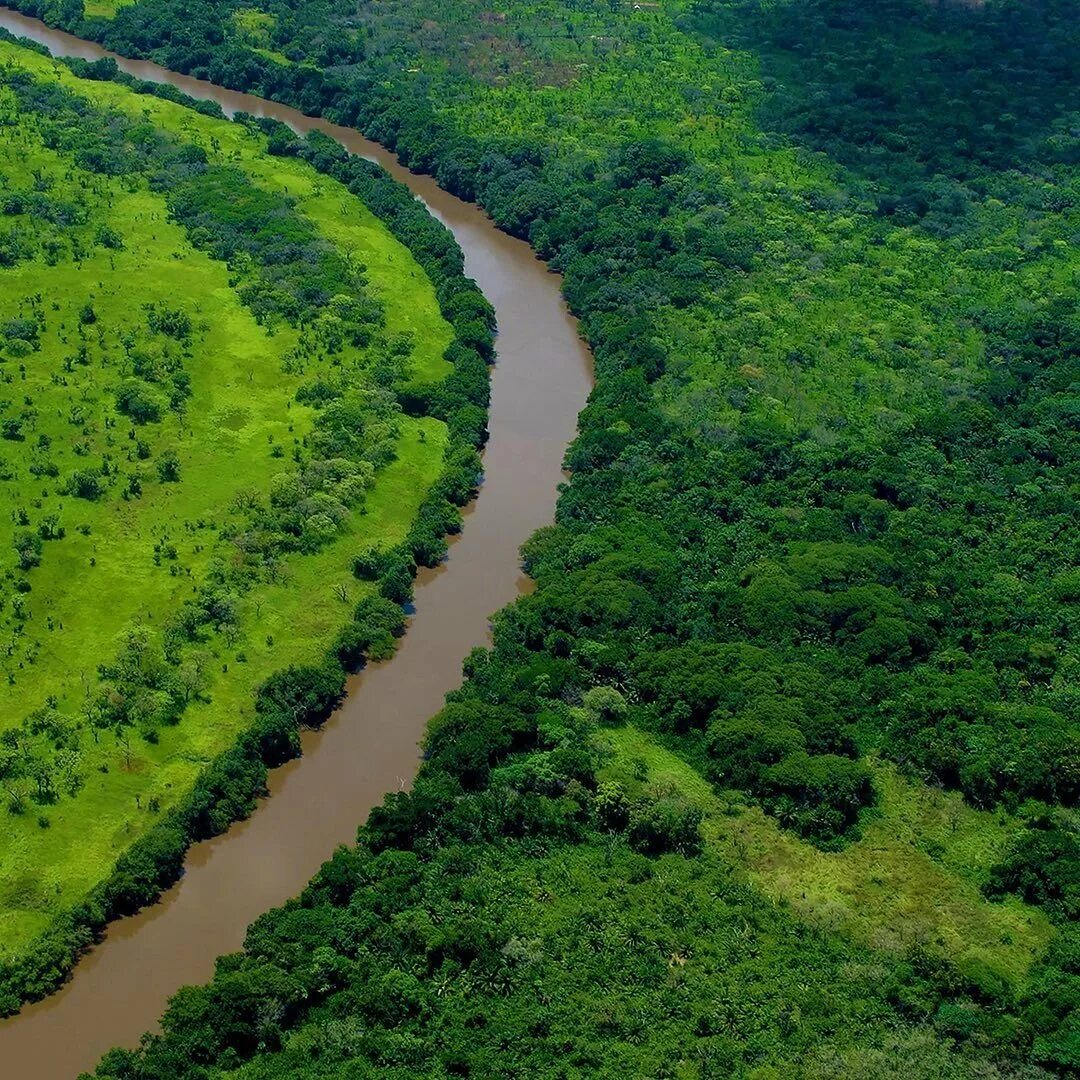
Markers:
{"x": 903, "y": 91}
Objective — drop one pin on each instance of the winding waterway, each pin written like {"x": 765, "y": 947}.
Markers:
{"x": 369, "y": 746}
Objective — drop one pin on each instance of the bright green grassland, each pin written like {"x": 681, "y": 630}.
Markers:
{"x": 131, "y": 562}
{"x": 105, "y": 8}
{"x": 253, "y": 27}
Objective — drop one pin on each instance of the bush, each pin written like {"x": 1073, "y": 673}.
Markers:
{"x": 743, "y": 748}
{"x": 605, "y": 703}
{"x": 134, "y": 398}
{"x": 371, "y": 564}
{"x": 466, "y": 738}
{"x": 85, "y": 484}
{"x": 304, "y": 692}
{"x": 1042, "y": 866}
{"x": 376, "y": 623}
{"x": 396, "y": 582}
{"x": 153, "y": 862}
{"x": 28, "y": 547}
{"x": 168, "y": 467}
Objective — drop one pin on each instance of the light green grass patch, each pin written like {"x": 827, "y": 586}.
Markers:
{"x": 394, "y": 275}
{"x": 284, "y": 623}
{"x": 252, "y": 28}
{"x": 910, "y": 880}
{"x": 104, "y": 9}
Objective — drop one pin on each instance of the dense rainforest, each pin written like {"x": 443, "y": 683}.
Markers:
{"x": 776, "y": 771}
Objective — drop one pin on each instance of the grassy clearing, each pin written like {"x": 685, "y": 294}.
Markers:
{"x": 104, "y": 9}
{"x": 130, "y": 562}
{"x": 253, "y": 28}
{"x": 41, "y": 869}
{"x": 912, "y": 879}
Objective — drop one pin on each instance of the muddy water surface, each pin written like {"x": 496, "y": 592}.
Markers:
{"x": 369, "y": 747}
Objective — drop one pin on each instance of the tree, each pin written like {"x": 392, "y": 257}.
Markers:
{"x": 168, "y": 467}
{"x": 605, "y": 703}
{"x": 28, "y": 547}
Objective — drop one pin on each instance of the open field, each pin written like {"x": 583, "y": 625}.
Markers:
{"x": 105, "y": 9}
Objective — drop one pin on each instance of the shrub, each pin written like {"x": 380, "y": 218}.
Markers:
{"x": 168, "y": 467}
{"x": 28, "y": 548}
{"x": 85, "y": 484}
{"x": 136, "y": 399}
{"x": 742, "y": 748}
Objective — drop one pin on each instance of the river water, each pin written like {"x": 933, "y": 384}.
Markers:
{"x": 539, "y": 383}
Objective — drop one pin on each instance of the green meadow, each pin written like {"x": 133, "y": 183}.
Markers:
{"x": 912, "y": 880}
{"x": 93, "y": 267}
{"x": 105, "y": 9}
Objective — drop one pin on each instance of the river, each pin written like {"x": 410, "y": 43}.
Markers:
{"x": 539, "y": 383}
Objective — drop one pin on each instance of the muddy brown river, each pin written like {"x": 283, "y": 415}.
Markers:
{"x": 539, "y": 383}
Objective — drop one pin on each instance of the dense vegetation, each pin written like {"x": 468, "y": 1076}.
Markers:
{"x": 227, "y": 380}
{"x": 807, "y": 620}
